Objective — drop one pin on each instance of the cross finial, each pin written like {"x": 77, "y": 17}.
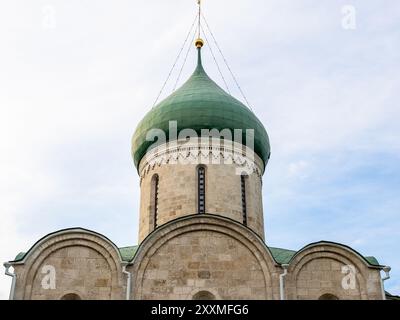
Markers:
{"x": 199, "y": 42}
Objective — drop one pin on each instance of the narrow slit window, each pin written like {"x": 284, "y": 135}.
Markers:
{"x": 155, "y": 187}
{"x": 243, "y": 191}
{"x": 201, "y": 177}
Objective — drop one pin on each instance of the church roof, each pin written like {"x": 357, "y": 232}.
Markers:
{"x": 281, "y": 256}
{"x": 390, "y": 296}
{"x": 127, "y": 253}
{"x": 200, "y": 104}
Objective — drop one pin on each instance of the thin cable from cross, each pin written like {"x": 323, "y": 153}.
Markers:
{"x": 176, "y": 61}
{"x": 226, "y": 62}
{"x": 184, "y": 62}
{"x": 215, "y": 60}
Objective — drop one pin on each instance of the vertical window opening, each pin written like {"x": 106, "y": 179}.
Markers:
{"x": 155, "y": 187}
{"x": 201, "y": 176}
{"x": 244, "y": 205}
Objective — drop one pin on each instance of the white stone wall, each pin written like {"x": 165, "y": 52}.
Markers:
{"x": 82, "y": 263}
{"x": 332, "y": 269}
{"x": 177, "y": 173}
{"x": 200, "y": 254}
{"x": 204, "y": 253}
{"x": 79, "y": 270}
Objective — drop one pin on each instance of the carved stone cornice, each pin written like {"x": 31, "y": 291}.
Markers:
{"x": 217, "y": 152}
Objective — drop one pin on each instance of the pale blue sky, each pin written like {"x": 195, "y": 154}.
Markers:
{"x": 77, "y": 76}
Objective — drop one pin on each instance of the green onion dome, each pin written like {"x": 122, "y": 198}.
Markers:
{"x": 200, "y": 104}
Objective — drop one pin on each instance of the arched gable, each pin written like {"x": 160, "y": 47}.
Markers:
{"x": 82, "y": 259}
{"x": 331, "y": 268}
{"x": 160, "y": 268}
